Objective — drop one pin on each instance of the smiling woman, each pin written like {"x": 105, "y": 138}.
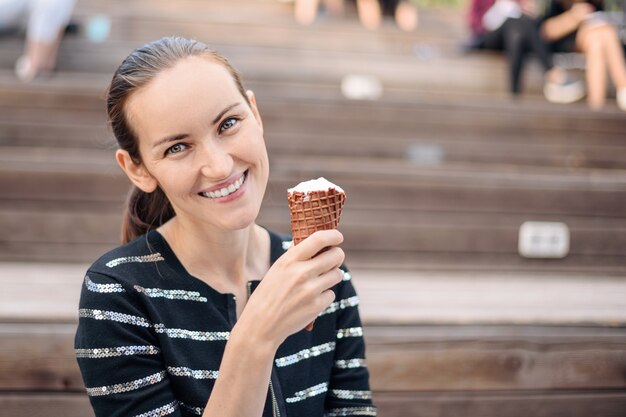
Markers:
{"x": 201, "y": 311}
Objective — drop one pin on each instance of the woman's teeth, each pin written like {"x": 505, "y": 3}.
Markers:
{"x": 223, "y": 192}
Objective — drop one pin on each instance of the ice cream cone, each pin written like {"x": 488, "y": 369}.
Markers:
{"x": 313, "y": 211}
{"x": 314, "y": 205}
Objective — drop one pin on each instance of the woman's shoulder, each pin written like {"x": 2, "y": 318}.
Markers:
{"x": 130, "y": 258}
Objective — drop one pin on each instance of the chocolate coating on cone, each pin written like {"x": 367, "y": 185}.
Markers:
{"x": 313, "y": 211}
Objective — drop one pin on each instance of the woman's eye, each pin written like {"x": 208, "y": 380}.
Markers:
{"x": 179, "y": 147}
{"x": 228, "y": 124}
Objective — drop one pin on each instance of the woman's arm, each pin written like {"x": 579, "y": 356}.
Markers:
{"x": 291, "y": 295}
{"x": 561, "y": 25}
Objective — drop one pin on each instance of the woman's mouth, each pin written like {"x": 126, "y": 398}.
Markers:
{"x": 226, "y": 191}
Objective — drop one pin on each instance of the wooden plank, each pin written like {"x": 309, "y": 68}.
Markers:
{"x": 363, "y": 230}
{"x": 41, "y": 357}
{"x": 37, "y": 357}
{"x": 432, "y": 404}
{"x": 419, "y": 147}
{"x": 340, "y": 115}
{"x": 423, "y": 114}
{"x": 362, "y": 259}
{"x": 502, "y": 404}
{"x": 45, "y": 405}
{"x": 387, "y": 297}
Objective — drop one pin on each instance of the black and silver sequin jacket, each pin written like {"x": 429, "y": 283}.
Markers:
{"x": 151, "y": 338}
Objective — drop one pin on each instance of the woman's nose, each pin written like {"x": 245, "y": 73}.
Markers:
{"x": 215, "y": 162}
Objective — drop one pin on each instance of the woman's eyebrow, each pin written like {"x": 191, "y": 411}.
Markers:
{"x": 223, "y": 112}
{"x": 170, "y": 139}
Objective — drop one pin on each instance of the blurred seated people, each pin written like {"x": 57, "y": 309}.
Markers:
{"x": 45, "y": 22}
{"x": 370, "y": 12}
{"x": 511, "y": 26}
{"x": 582, "y": 26}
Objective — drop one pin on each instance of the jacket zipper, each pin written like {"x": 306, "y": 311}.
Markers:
{"x": 275, "y": 409}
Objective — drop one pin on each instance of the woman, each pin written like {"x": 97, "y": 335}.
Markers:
{"x": 202, "y": 312}
{"x": 580, "y": 26}
{"x": 511, "y": 26}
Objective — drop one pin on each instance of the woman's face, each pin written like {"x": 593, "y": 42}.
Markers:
{"x": 201, "y": 143}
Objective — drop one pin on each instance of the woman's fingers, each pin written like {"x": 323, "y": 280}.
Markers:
{"x": 328, "y": 280}
{"x": 327, "y": 260}
{"x": 319, "y": 240}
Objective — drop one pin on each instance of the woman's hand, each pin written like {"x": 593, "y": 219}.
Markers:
{"x": 296, "y": 288}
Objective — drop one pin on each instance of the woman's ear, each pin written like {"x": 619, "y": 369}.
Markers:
{"x": 255, "y": 109}
{"x": 137, "y": 173}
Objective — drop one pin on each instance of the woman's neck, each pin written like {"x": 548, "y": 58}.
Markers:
{"x": 224, "y": 259}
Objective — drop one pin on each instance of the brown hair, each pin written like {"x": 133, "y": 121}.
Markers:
{"x": 146, "y": 211}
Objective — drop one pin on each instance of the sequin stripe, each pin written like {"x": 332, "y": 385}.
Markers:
{"x": 193, "y": 373}
{"x": 341, "y": 304}
{"x": 346, "y": 275}
{"x": 350, "y": 332}
{"x": 113, "y": 316}
{"x": 191, "y": 334}
{"x": 102, "y": 288}
{"x": 350, "y": 363}
{"x": 305, "y": 354}
{"x": 126, "y": 386}
{"x": 165, "y": 410}
{"x": 171, "y": 294}
{"x": 308, "y": 393}
{"x": 153, "y": 257}
{"x": 111, "y": 352}
{"x": 346, "y": 394}
{"x": 351, "y": 411}
{"x": 191, "y": 409}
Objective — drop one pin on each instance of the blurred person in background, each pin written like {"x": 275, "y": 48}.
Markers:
{"x": 45, "y": 22}
{"x": 370, "y": 12}
{"x": 513, "y": 27}
{"x": 582, "y": 26}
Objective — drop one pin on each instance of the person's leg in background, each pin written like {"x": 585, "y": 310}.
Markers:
{"x": 370, "y": 13}
{"x": 604, "y": 55}
{"x": 46, "y": 25}
{"x": 515, "y": 47}
{"x": 305, "y": 11}
{"x": 406, "y": 16}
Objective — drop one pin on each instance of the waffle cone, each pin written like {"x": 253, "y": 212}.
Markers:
{"x": 313, "y": 211}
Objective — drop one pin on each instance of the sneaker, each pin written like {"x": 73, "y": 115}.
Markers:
{"x": 621, "y": 98}
{"x": 568, "y": 90}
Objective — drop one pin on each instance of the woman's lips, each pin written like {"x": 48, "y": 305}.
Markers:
{"x": 226, "y": 191}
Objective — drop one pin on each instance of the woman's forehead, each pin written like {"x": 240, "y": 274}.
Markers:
{"x": 193, "y": 87}
{"x": 192, "y": 76}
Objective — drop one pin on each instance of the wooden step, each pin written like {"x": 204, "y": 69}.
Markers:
{"x": 293, "y": 126}
{"x": 395, "y": 210}
{"x": 571, "y": 403}
{"x": 460, "y": 340}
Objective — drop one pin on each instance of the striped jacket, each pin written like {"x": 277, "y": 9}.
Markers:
{"x": 151, "y": 338}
